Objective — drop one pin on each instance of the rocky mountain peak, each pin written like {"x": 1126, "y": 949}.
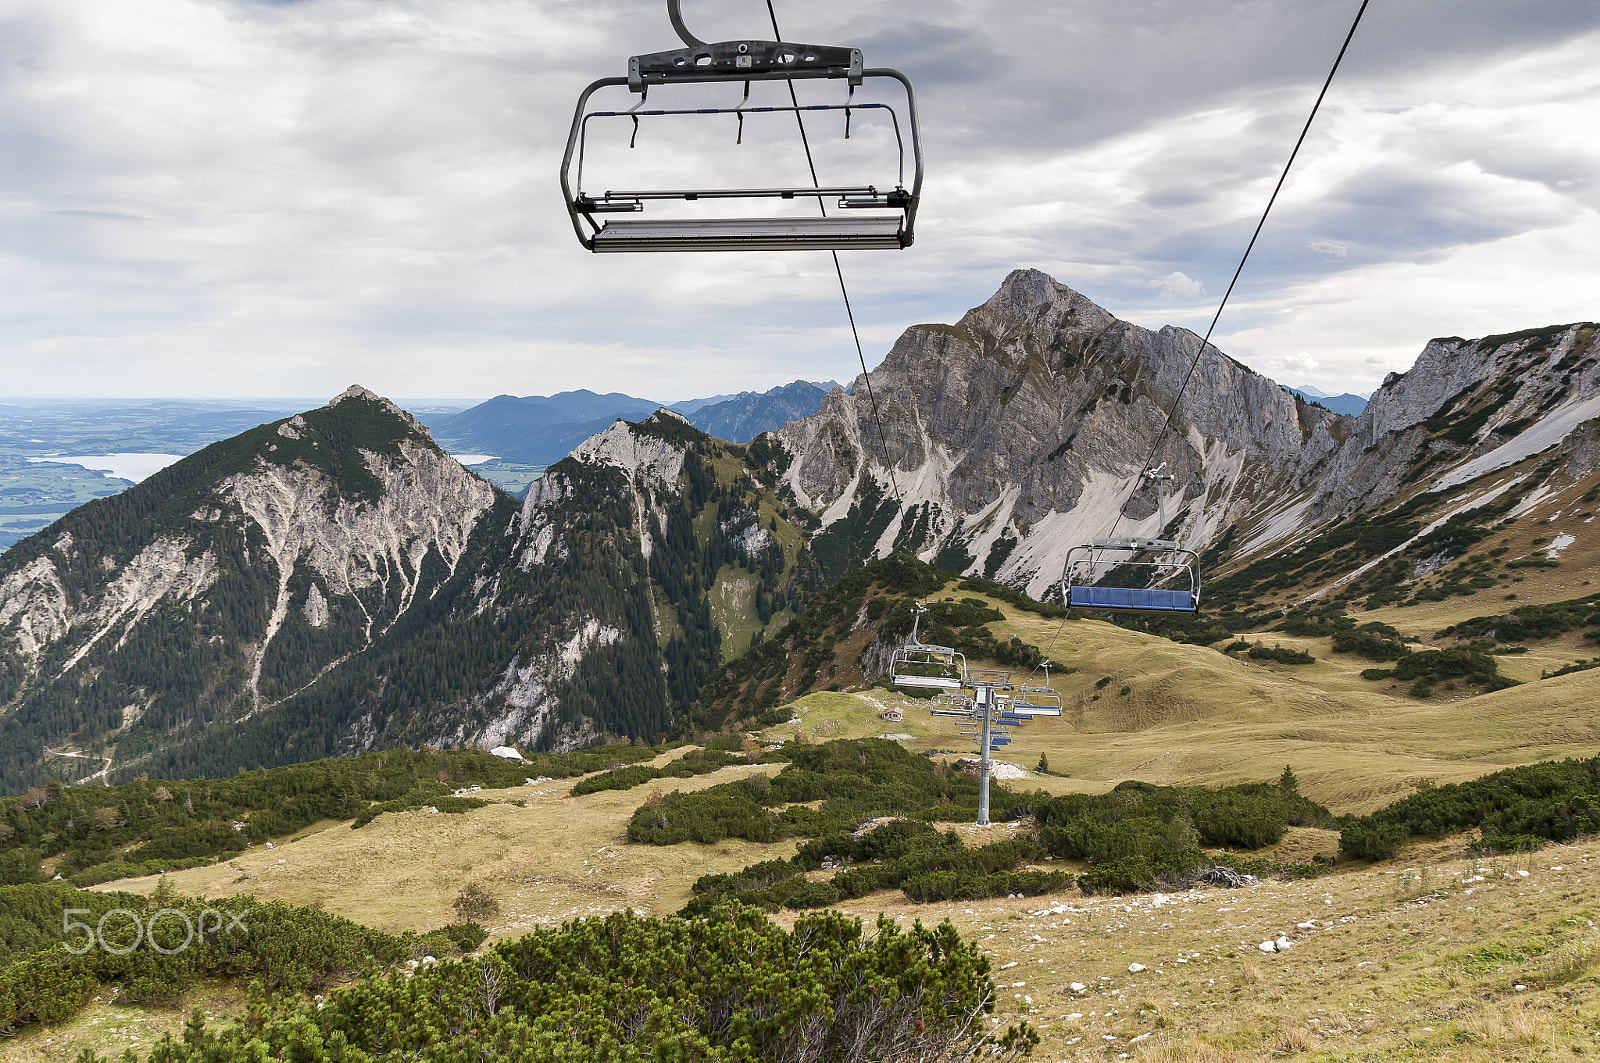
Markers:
{"x": 1020, "y": 431}
{"x": 356, "y": 391}
{"x": 1032, "y": 303}
{"x": 260, "y": 563}
{"x": 654, "y": 447}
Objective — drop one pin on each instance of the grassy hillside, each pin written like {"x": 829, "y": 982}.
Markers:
{"x": 1419, "y": 957}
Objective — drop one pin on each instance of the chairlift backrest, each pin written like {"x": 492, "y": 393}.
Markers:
{"x": 743, "y": 62}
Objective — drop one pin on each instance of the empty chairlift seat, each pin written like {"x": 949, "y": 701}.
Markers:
{"x": 873, "y": 217}
{"x": 1150, "y": 560}
{"x": 929, "y": 667}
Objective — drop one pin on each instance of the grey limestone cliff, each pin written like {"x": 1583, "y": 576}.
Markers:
{"x": 1022, "y": 430}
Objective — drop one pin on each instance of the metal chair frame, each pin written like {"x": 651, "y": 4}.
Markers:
{"x": 734, "y": 62}
{"x": 1030, "y": 701}
{"x": 1134, "y": 599}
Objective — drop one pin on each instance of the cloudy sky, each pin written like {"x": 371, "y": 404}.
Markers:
{"x": 242, "y": 198}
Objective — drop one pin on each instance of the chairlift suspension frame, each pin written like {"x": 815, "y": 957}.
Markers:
{"x": 744, "y": 61}
{"x": 919, "y": 664}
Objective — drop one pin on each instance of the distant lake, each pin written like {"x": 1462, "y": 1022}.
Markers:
{"x": 133, "y": 467}
{"x": 474, "y": 459}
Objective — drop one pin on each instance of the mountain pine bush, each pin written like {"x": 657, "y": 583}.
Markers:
{"x": 730, "y": 988}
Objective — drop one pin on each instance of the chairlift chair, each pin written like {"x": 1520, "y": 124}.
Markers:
{"x": 1031, "y": 701}
{"x": 1168, "y": 561}
{"x": 920, "y": 664}
{"x": 890, "y": 224}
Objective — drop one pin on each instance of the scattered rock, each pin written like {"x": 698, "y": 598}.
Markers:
{"x": 1135, "y": 968}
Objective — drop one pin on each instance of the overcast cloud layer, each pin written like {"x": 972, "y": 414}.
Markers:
{"x": 217, "y": 197}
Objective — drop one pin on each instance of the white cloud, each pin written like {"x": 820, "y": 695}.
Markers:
{"x": 220, "y": 197}
{"x": 1178, "y": 285}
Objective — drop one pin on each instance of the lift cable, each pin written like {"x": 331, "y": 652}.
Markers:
{"x": 877, "y": 418}
{"x": 1206, "y": 342}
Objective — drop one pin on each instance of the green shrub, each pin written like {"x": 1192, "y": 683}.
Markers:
{"x": 1139, "y": 835}
{"x": 1374, "y": 641}
{"x": 925, "y": 864}
{"x": 1372, "y": 841}
{"x": 1550, "y": 801}
{"x": 1281, "y": 655}
{"x": 729, "y": 988}
{"x": 285, "y": 950}
{"x": 854, "y": 779}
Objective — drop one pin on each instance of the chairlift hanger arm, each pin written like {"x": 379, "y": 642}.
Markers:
{"x": 699, "y": 57}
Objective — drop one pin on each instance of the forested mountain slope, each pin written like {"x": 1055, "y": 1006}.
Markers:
{"x": 333, "y": 582}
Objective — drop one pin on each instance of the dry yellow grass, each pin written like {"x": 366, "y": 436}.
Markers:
{"x": 1194, "y": 715}
{"x": 558, "y": 858}
{"x": 1417, "y": 959}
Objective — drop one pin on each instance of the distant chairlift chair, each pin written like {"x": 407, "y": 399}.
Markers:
{"x": 919, "y": 664}
{"x": 1031, "y": 701}
{"x": 1170, "y": 561}
{"x": 891, "y": 226}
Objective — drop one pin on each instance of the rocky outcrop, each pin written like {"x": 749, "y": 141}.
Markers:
{"x": 1024, "y": 427}
{"x": 369, "y": 551}
{"x": 34, "y": 610}
{"x": 325, "y": 529}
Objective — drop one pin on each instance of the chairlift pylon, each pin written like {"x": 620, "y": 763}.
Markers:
{"x": 1167, "y": 560}
{"x": 736, "y": 62}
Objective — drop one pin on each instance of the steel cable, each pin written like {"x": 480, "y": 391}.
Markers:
{"x": 838, "y": 270}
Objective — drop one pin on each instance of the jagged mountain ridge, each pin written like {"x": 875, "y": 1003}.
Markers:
{"x": 334, "y": 582}
{"x": 748, "y": 414}
{"x": 1346, "y": 402}
{"x": 277, "y": 598}
{"x": 1021, "y": 430}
